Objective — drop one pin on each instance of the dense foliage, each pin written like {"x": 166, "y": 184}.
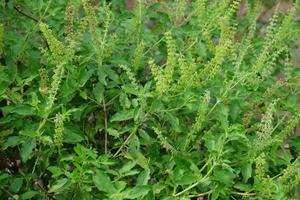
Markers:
{"x": 164, "y": 100}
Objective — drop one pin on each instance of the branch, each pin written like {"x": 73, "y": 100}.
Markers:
{"x": 32, "y": 18}
{"x": 25, "y": 14}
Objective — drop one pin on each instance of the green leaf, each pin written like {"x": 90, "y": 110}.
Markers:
{"x": 127, "y": 167}
{"x": 234, "y": 110}
{"x": 156, "y": 105}
{"x": 113, "y": 132}
{"x": 16, "y": 185}
{"x": 246, "y": 171}
{"x": 243, "y": 186}
{"x": 3, "y": 86}
{"x": 131, "y": 173}
{"x": 4, "y": 176}
{"x": 223, "y": 116}
{"x": 103, "y": 182}
{"x": 29, "y": 195}
{"x": 58, "y": 185}
{"x": 141, "y": 160}
{"x": 212, "y": 141}
{"x": 7, "y": 73}
{"x": 129, "y": 89}
{"x": 174, "y": 121}
{"x": 122, "y": 116}
{"x": 158, "y": 187}
{"x": 143, "y": 177}
{"x": 20, "y": 109}
{"x": 27, "y": 148}
{"x": 84, "y": 76}
{"x": 12, "y": 142}
{"x": 55, "y": 171}
{"x": 29, "y": 132}
{"x": 72, "y": 135}
{"x": 138, "y": 192}
{"x": 98, "y": 92}
{"x": 120, "y": 185}
{"x": 224, "y": 175}
{"x": 112, "y": 74}
{"x": 3, "y": 75}
{"x": 187, "y": 179}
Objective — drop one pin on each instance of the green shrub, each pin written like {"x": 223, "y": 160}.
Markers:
{"x": 173, "y": 100}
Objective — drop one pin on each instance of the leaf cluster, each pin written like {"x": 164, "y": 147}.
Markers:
{"x": 168, "y": 100}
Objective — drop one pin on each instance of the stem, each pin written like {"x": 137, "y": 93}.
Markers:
{"x": 244, "y": 193}
{"x": 201, "y": 194}
{"x": 41, "y": 125}
{"x": 197, "y": 183}
{"x": 280, "y": 122}
{"x": 139, "y": 19}
{"x": 35, "y": 20}
{"x": 25, "y": 14}
{"x": 105, "y": 126}
{"x": 35, "y": 163}
{"x": 214, "y": 106}
{"x": 7, "y": 192}
{"x": 126, "y": 141}
{"x": 156, "y": 43}
{"x": 190, "y": 187}
{"x": 203, "y": 167}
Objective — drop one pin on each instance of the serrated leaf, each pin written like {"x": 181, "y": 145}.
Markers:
{"x": 246, "y": 171}
{"x": 127, "y": 167}
{"x": 129, "y": 89}
{"x": 223, "y": 116}
{"x": 84, "y": 76}
{"x": 187, "y": 179}
{"x": 122, "y": 116}
{"x": 131, "y": 173}
{"x": 103, "y": 182}
{"x": 120, "y": 185}
{"x": 16, "y": 185}
{"x": 225, "y": 176}
{"x": 29, "y": 195}
{"x": 138, "y": 192}
{"x": 55, "y": 171}
{"x": 58, "y": 185}
{"x": 23, "y": 110}
{"x": 142, "y": 160}
{"x": 4, "y": 176}
{"x": 143, "y": 177}
{"x": 98, "y": 92}
{"x": 113, "y": 132}
{"x": 12, "y": 142}
{"x": 72, "y": 135}
{"x": 27, "y": 148}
